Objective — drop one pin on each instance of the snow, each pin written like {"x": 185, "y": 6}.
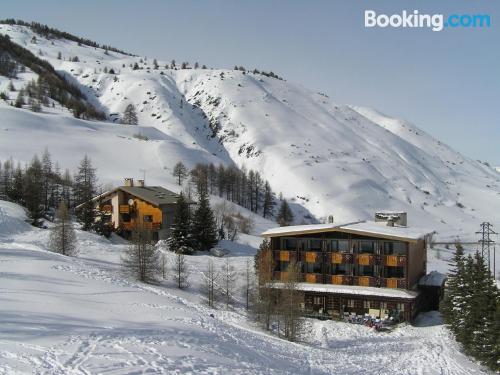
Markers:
{"x": 83, "y": 316}
{"x": 368, "y": 227}
{"x": 433, "y": 278}
{"x": 353, "y": 289}
{"x": 326, "y": 158}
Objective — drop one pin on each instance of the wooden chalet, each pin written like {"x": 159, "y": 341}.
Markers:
{"x": 366, "y": 267}
{"x": 125, "y": 207}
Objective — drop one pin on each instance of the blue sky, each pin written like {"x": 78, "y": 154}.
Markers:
{"x": 447, "y": 83}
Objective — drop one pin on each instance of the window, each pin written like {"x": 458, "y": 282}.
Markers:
{"x": 350, "y": 303}
{"x": 394, "y": 248}
{"x": 367, "y": 247}
{"x": 147, "y": 218}
{"x": 313, "y": 267}
{"x": 315, "y": 245}
{"x": 397, "y": 272}
{"x": 290, "y": 244}
{"x": 401, "y": 306}
{"x": 343, "y": 246}
{"x": 334, "y": 245}
{"x": 318, "y": 300}
{"x": 339, "y": 269}
{"x": 383, "y": 305}
{"x": 366, "y": 304}
{"x": 126, "y": 218}
{"x": 366, "y": 271}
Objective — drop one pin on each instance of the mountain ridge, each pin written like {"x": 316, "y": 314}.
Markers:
{"x": 332, "y": 159}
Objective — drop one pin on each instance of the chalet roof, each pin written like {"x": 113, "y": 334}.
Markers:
{"x": 372, "y": 228}
{"x": 433, "y": 278}
{"x": 155, "y": 195}
{"x": 368, "y": 291}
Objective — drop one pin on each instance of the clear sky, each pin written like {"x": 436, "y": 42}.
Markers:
{"x": 447, "y": 83}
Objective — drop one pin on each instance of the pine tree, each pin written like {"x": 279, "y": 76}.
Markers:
{"x": 285, "y": 215}
{"x": 204, "y": 229}
{"x": 155, "y": 64}
{"x": 33, "y": 192}
{"x": 180, "y": 172}
{"x": 62, "y": 235}
{"x": 47, "y": 177}
{"x": 130, "y": 115}
{"x": 180, "y": 240}
{"x": 84, "y": 190}
{"x": 454, "y": 287}
{"x": 20, "y": 99}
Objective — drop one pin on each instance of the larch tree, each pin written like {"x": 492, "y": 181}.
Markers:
{"x": 264, "y": 266}
{"x": 180, "y": 172}
{"x": 130, "y": 115}
{"x": 180, "y": 270}
{"x": 142, "y": 258}
{"x": 62, "y": 237}
{"x": 290, "y": 298}
{"x": 229, "y": 278}
{"x": 211, "y": 278}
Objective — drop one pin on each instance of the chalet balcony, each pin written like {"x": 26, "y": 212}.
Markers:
{"x": 283, "y": 255}
{"x": 393, "y": 261}
{"x": 124, "y": 208}
{"x": 365, "y": 281}
{"x": 367, "y": 259}
{"x": 106, "y": 208}
{"x": 340, "y": 258}
{"x": 129, "y": 226}
{"x": 393, "y": 282}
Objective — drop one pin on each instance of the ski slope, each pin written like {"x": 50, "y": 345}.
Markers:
{"x": 326, "y": 158}
{"x": 83, "y": 316}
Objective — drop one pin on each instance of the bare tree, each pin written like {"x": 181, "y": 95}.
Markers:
{"x": 180, "y": 172}
{"x": 229, "y": 277}
{"x": 62, "y": 238}
{"x": 180, "y": 271}
{"x": 212, "y": 277}
{"x": 249, "y": 284}
{"x": 264, "y": 265}
{"x": 142, "y": 258}
{"x": 290, "y": 298}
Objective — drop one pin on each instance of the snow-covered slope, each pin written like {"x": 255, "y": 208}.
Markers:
{"x": 332, "y": 159}
{"x": 79, "y": 316}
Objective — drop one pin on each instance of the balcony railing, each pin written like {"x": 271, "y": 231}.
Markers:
{"x": 393, "y": 282}
{"x": 341, "y": 279}
{"x": 367, "y": 259}
{"x": 365, "y": 281}
{"x": 340, "y": 258}
{"x": 394, "y": 260}
{"x": 147, "y": 226}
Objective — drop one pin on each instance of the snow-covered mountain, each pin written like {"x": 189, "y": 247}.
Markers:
{"x": 332, "y": 159}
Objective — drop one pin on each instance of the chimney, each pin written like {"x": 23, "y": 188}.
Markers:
{"x": 390, "y": 222}
{"x": 129, "y": 182}
{"x": 140, "y": 183}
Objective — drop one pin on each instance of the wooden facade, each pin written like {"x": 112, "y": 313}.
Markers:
{"x": 129, "y": 207}
{"x": 343, "y": 257}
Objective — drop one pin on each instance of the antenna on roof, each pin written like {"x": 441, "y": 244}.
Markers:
{"x": 143, "y": 175}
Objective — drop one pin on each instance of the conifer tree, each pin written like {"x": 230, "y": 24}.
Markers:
{"x": 181, "y": 240}
{"x": 268, "y": 204}
{"x": 204, "y": 229}
{"x": 20, "y": 99}
{"x": 32, "y": 189}
{"x": 285, "y": 215}
{"x": 130, "y": 115}
{"x": 454, "y": 286}
{"x": 62, "y": 235}
{"x": 84, "y": 190}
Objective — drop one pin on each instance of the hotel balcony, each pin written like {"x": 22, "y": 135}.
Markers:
{"x": 365, "y": 281}
{"x": 393, "y": 283}
{"x": 340, "y": 258}
{"x": 367, "y": 259}
{"x": 394, "y": 261}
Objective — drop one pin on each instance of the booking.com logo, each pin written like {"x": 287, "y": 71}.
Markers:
{"x": 436, "y": 22}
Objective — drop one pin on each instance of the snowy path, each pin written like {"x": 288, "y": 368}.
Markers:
{"x": 82, "y": 316}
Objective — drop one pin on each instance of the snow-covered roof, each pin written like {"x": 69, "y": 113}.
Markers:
{"x": 353, "y": 289}
{"x": 376, "y": 229}
{"x": 433, "y": 278}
